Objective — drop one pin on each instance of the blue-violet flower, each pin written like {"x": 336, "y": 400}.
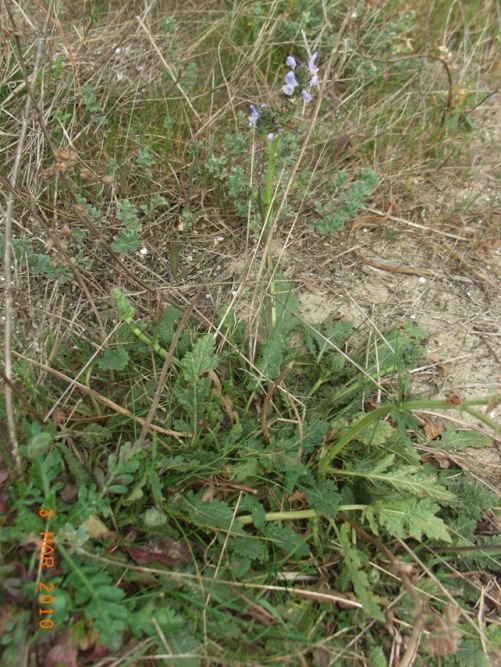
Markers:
{"x": 303, "y": 77}
{"x": 254, "y": 117}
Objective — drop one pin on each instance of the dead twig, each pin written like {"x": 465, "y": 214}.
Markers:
{"x": 269, "y": 396}
{"x": 165, "y": 369}
{"x": 8, "y": 313}
{"x": 96, "y": 395}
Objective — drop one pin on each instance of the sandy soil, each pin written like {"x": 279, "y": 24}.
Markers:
{"x": 455, "y": 292}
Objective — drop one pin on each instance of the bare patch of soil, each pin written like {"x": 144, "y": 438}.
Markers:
{"x": 451, "y": 287}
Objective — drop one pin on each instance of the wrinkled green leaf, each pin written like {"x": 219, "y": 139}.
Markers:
{"x": 114, "y": 360}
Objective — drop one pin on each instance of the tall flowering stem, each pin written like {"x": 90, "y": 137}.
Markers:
{"x": 266, "y": 120}
{"x": 272, "y": 150}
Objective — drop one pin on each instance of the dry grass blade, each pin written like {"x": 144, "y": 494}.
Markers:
{"x": 269, "y": 397}
{"x": 9, "y": 284}
{"x": 103, "y": 399}
{"x": 167, "y": 363}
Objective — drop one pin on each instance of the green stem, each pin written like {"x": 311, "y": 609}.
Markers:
{"x": 273, "y": 309}
{"x": 93, "y": 400}
{"x": 268, "y": 190}
{"x": 146, "y": 339}
{"x": 266, "y": 213}
{"x": 407, "y": 406}
{"x": 292, "y": 515}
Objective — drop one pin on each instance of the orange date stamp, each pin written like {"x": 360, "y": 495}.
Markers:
{"x": 47, "y": 560}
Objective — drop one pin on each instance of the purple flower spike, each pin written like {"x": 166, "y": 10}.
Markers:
{"x": 301, "y": 78}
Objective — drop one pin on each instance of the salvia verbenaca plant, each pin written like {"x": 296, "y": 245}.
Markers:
{"x": 269, "y": 122}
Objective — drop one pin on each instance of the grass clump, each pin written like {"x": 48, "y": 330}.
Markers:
{"x": 192, "y": 472}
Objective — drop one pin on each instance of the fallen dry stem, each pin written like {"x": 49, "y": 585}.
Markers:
{"x": 266, "y": 403}
{"x": 96, "y": 395}
{"x": 325, "y": 596}
{"x": 166, "y": 365}
{"x": 8, "y": 313}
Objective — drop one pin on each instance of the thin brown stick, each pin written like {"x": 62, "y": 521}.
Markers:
{"x": 269, "y": 396}
{"x": 317, "y": 595}
{"x": 22, "y": 399}
{"x": 292, "y": 403}
{"x": 95, "y": 394}
{"x": 69, "y": 49}
{"x": 165, "y": 368}
{"x": 8, "y": 313}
